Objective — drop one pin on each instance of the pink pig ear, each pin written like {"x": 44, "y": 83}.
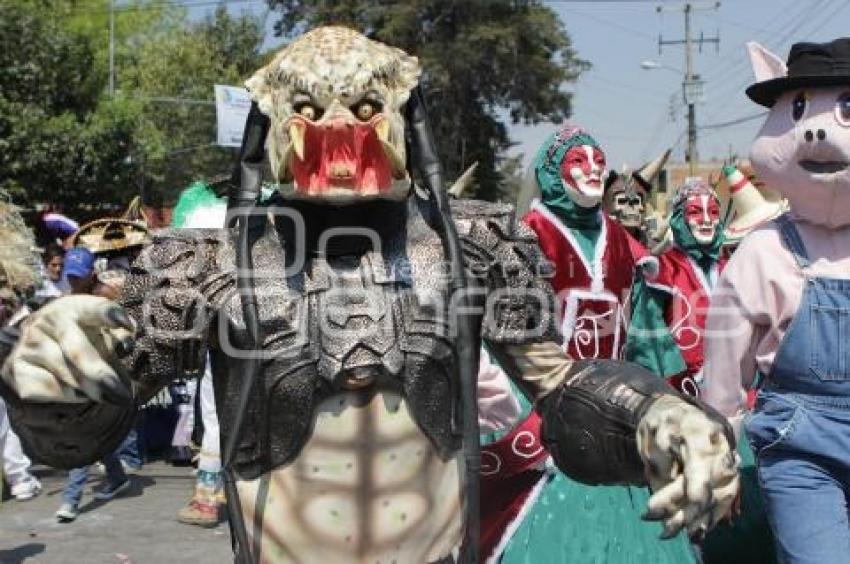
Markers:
{"x": 766, "y": 65}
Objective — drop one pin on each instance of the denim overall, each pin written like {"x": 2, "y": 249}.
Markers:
{"x": 800, "y": 428}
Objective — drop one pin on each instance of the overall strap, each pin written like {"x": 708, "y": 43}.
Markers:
{"x": 792, "y": 240}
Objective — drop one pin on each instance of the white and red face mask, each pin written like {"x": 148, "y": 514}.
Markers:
{"x": 702, "y": 214}
{"x": 583, "y": 171}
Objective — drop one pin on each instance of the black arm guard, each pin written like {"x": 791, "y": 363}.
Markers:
{"x": 64, "y": 435}
{"x": 68, "y": 435}
{"x": 590, "y": 421}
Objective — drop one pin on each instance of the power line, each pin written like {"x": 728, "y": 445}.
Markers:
{"x": 741, "y": 62}
{"x": 691, "y": 85}
{"x": 724, "y": 92}
{"x": 161, "y": 5}
{"x": 730, "y": 123}
{"x": 610, "y": 23}
{"x": 175, "y": 100}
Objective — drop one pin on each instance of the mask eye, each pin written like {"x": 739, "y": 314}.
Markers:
{"x": 798, "y": 106}
{"x": 365, "y": 109}
{"x": 308, "y": 111}
{"x": 842, "y": 108}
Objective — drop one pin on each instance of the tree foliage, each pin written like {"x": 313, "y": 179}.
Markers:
{"x": 485, "y": 62}
{"x": 64, "y": 139}
{"x": 58, "y": 141}
{"x": 173, "y": 77}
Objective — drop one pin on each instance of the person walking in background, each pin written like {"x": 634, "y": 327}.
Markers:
{"x": 79, "y": 271}
{"x": 16, "y": 465}
{"x": 53, "y": 261}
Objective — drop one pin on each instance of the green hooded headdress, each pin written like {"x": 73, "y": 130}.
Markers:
{"x": 704, "y": 255}
{"x": 547, "y": 172}
{"x": 584, "y": 222}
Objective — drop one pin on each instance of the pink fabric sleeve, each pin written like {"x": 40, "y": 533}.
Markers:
{"x": 498, "y": 409}
{"x": 755, "y": 299}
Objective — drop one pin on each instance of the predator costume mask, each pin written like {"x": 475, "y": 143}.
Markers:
{"x": 334, "y": 99}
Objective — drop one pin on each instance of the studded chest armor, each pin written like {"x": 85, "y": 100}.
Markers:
{"x": 362, "y": 310}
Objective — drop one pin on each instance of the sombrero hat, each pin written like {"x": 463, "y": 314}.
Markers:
{"x": 110, "y": 234}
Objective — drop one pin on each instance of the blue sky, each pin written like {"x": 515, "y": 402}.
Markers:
{"x": 627, "y": 108}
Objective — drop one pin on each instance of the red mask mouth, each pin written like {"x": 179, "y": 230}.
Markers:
{"x": 339, "y": 154}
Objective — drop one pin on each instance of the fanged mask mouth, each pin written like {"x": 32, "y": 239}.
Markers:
{"x": 823, "y": 167}
{"x": 337, "y": 155}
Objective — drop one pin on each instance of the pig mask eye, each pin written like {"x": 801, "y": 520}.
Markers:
{"x": 798, "y": 106}
{"x": 842, "y": 108}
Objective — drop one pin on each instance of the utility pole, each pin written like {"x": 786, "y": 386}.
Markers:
{"x": 692, "y": 84}
{"x": 111, "y": 48}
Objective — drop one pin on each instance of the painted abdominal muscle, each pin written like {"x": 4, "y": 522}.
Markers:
{"x": 368, "y": 487}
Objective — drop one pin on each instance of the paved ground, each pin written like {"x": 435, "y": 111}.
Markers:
{"x": 137, "y": 528}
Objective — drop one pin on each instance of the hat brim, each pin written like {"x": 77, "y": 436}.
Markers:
{"x": 766, "y": 93}
{"x": 739, "y": 227}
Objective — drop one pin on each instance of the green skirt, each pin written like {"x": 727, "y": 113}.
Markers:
{"x": 572, "y": 523}
{"x": 575, "y": 523}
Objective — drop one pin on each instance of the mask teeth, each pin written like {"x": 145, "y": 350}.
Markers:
{"x": 382, "y": 128}
{"x": 396, "y": 160}
{"x": 296, "y": 137}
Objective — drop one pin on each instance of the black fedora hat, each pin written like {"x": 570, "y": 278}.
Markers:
{"x": 809, "y": 64}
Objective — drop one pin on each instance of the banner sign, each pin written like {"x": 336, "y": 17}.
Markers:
{"x": 232, "y": 104}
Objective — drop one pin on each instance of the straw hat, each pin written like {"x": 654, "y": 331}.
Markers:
{"x": 110, "y": 234}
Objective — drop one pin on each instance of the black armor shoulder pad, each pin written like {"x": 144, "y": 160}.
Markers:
{"x": 173, "y": 288}
{"x": 504, "y": 261}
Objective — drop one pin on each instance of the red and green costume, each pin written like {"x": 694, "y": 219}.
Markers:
{"x": 545, "y": 517}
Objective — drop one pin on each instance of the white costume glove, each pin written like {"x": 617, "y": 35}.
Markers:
{"x": 69, "y": 351}
{"x": 691, "y": 467}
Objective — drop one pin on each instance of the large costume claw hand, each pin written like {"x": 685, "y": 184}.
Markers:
{"x": 691, "y": 465}
{"x": 70, "y": 350}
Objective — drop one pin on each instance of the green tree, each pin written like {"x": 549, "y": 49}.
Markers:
{"x": 173, "y": 77}
{"x": 59, "y": 142}
{"x": 485, "y": 61}
{"x": 63, "y": 139}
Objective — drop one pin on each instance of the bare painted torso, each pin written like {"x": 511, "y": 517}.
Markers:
{"x": 368, "y": 487}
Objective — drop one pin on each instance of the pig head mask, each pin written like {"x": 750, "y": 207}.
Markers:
{"x": 803, "y": 148}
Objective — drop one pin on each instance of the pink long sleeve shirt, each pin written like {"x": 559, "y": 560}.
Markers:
{"x": 754, "y": 302}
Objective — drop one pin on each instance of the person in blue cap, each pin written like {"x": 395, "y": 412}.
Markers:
{"x": 78, "y": 270}
{"x": 80, "y": 274}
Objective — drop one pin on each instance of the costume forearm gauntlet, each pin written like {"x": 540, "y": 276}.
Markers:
{"x": 63, "y": 435}
{"x": 590, "y": 420}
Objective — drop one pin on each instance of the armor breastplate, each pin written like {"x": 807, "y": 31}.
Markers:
{"x": 355, "y": 319}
